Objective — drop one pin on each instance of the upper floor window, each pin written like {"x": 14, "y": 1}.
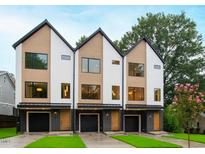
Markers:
{"x": 157, "y": 94}
{"x": 65, "y": 90}
{"x": 90, "y": 91}
{"x": 157, "y": 67}
{"x": 136, "y": 69}
{"x": 35, "y": 90}
{"x": 116, "y": 62}
{"x": 115, "y": 92}
{"x": 36, "y": 60}
{"x": 135, "y": 94}
{"x": 65, "y": 57}
{"x": 90, "y": 65}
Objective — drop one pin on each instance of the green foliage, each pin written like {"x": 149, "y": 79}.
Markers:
{"x": 58, "y": 142}
{"x": 171, "y": 123}
{"x": 81, "y": 40}
{"x": 145, "y": 142}
{"x": 179, "y": 44}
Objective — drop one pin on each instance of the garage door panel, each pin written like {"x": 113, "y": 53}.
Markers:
{"x": 132, "y": 124}
{"x": 38, "y": 122}
{"x": 89, "y": 123}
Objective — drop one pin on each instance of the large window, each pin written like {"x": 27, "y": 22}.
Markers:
{"x": 65, "y": 90}
{"x": 135, "y": 94}
{"x": 36, "y": 60}
{"x": 90, "y": 91}
{"x": 157, "y": 94}
{"x": 35, "y": 89}
{"x": 115, "y": 92}
{"x": 90, "y": 65}
{"x": 136, "y": 69}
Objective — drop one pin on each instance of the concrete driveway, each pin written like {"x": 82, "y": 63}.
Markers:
{"x": 100, "y": 140}
{"x": 19, "y": 141}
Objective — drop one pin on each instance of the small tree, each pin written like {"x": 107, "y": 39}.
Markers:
{"x": 188, "y": 104}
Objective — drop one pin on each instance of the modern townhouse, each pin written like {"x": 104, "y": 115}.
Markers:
{"x": 93, "y": 87}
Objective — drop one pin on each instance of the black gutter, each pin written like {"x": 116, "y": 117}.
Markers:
{"x": 123, "y": 119}
{"x": 74, "y": 113}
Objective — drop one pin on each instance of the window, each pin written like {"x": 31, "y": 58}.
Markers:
{"x": 90, "y": 91}
{"x": 90, "y": 65}
{"x": 115, "y": 92}
{"x": 157, "y": 67}
{"x": 135, "y": 94}
{"x": 157, "y": 94}
{"x": 35, "y": 89}
{"x": 36, "y": 61}
{"x": 136, "y": 69}
{"x": 65, "y": 90}
{"x": 116, "y": 62}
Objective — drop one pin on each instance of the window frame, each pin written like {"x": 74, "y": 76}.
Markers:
{"x": 88, "y": 66}
{"x": 118, "y": 98}
{"x": 91, "y": 98}
{"x": 137, "y": 64}
{"x": 159, "y": 94}
{"x": 143, "y": 94}
{"x": 32, "y": 90}
{"x": 62, "y": 91}
{"x": 32, "y": 53}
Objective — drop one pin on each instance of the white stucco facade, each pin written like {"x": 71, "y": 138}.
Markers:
{"x": 76, "y": 77}
{"x": 61, "y": 70}
{"x": 154, "y": 76}
{"x": 18, "y": 83}
{"x": 112, "y": 73}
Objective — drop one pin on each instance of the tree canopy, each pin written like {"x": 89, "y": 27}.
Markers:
{"x": 178, "y": 42}
{"x": 81, "y": 40}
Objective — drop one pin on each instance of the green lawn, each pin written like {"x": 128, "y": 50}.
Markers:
{"x": 7, "y": 132}
{"x": 145, "y": 142}
{"x": 193, "y": 137}
{"x": 58, "y": 142}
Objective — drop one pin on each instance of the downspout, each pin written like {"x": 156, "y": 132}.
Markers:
{"x": 74, "y": 113}
{"x": 123, "y": 118}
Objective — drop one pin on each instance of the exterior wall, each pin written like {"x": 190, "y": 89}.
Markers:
{"x": 18, "y": 83}
{"x": 39, "y": 42}
{"x": 61, "y": 70}
{"x": 112, "y": 74}
{"x": 92, "y": 49}
{"x": 76, "y": 78}
{"x": 7, "y": 95}
{"x": 202, "y": 123}
{"x": 137, "y": 55}
{"x": 154, "y": 76}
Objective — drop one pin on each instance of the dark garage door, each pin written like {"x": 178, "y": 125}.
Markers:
{"x": 131, "y": 123}
{"x": 38, "y": 122}
{"x": 89, "y": 123}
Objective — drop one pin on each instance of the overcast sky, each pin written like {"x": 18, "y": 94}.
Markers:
{"x": 74, "y": 21}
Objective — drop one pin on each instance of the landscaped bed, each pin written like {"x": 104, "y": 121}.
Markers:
{"x": 145, "y": 142}
{"x": 58, "y": 142}
{"x": 7, "y": 132}
{"x": 193, "y": 137}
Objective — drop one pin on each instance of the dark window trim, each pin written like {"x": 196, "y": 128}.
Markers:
{"x": 88, "y": 65}
{"x": 143, "y": 94}
{"x": 90, "y": 85}
{"x": 32, "y": 83}
{"x": 134, "y": 75}
{"x": 61, "y": 91}
{"x": 32, "y": 61}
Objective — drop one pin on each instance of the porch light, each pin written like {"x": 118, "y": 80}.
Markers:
{"x": 39, "y": 89}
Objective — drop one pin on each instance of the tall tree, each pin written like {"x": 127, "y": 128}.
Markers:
{"x": 81, "y": 40}
{"x": 177, "y": 41}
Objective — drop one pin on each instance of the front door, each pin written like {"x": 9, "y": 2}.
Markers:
{"x": 156, "y": 121}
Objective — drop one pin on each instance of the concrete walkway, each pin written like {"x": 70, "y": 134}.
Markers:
{"x": 183, "y": 143}
{"x": 19, "y": 141}
{"x": 100, "y": 140}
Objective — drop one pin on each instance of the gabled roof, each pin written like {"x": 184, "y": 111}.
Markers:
{"x": 12, "y": 80}
{"x": 150, "y": 44}
{"x": 99, "y": 30}
{"x": 45, "y": 22}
